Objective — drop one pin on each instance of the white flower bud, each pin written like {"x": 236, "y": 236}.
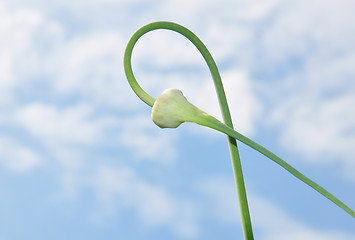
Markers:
{"x": 171, "y": 109}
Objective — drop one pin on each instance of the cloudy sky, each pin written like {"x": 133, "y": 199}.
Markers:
{"x": 81, "y": 159}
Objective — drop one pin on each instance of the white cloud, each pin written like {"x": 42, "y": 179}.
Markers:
{"x": 90, "y": 66}
{"x": 228, "y": 28}
{"x": 64, "y": 132}
{"x": 313, "y": 105}
{"x": 146, "y": 140}
{"x": 315, "y": 49}
{"x": 72, "y": 125}
{"x": 155, "y": 207}
{"x": 16, "y": 157}
{"x": 323, "y": 28}
{"x": 39, "y": 50}
{"x": 16, "y": 29}
{"x": 323, "y": 130}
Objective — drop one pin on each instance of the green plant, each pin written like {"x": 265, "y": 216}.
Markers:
{"x": 171, "y": 109}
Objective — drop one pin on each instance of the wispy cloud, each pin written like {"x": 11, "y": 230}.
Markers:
{"x": 140, "y": 135}
{"x": 55, "y": 126}
{"x": 120, "y": 189}
{"x": 17, "y": 157}
{"x": 321, "y": 129}
{"x": 314, "y": 104}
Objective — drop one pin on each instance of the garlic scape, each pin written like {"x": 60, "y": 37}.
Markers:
{"x": 172, "y": 108}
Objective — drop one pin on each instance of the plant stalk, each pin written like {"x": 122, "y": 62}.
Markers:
{"x": 233, "y": 149}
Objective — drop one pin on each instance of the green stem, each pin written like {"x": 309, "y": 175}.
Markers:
{"x": 237, "y": 169}
{"x": 209, "y": 121}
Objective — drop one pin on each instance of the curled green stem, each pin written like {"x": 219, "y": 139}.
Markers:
{"x": 232, "y": 144}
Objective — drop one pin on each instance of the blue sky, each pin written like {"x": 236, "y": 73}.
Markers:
{"x": 81, "y": 159}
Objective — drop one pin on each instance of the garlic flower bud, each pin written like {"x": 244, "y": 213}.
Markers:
{"x": 171, "y": 109}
